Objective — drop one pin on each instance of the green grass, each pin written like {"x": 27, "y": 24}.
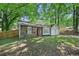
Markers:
{"x": 54, "y": 40}
{"x": 45, "y": 45}
{"x": 7, "y": 40}
{"x": 48, "y": 40}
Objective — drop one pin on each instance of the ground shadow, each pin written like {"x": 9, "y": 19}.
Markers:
{"x": 40, "y": 46}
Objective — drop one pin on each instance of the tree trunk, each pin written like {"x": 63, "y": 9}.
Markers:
{"x": 55, "y": 15}
{"x": 2, "y": 23}
{"x": 58, "y": 11}
{"x": 75, "y": 18}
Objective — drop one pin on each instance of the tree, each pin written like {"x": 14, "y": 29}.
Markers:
{"x": 75, "y": 17}
{"x": 9, "y": 13}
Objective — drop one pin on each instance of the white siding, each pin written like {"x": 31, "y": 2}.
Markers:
{"x": 54, "y": 30}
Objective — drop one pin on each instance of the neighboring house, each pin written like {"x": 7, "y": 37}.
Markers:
{"x": 38, "y": 29}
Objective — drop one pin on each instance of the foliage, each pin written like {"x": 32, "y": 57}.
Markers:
{"x": 10, "y": 13}
{"x": 50, "y": 13}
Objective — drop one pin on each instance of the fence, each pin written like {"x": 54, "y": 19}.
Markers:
{"x": 13, "y": 33}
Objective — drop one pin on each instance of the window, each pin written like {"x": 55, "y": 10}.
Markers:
{"x": 29, "y": 30}
{"x": 46, "y": 31}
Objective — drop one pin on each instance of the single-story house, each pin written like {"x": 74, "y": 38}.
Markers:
{"x": 37, "y": 29}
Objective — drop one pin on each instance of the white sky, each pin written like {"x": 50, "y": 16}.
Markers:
{"x": 39, "y": 1}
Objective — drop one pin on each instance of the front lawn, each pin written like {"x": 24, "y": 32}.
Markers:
{"x": 46, "y": 45}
